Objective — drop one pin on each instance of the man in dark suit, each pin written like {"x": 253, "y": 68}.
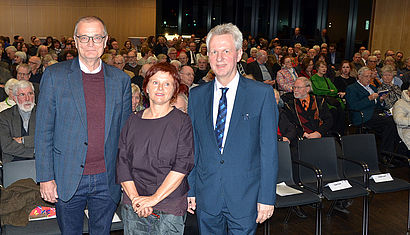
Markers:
{"x": 364, "y": 97}
{"x": 333, "y": 56}
{"x": 260, "y": 70}
{"x": 82, "y": 108}
{"x": 192, "y": 54}
{"x": 17, "y": 124}
{"x": 233, "y": 183}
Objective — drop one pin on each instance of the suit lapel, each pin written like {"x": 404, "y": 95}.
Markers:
{"x": 32, "y": 122}
{"x": 238, "y": 107}
{"x": 17, "y": 123}
{"x": 209, "y": 102}
{"x": 76, "y": 84}
{"x": 109, "y": 83}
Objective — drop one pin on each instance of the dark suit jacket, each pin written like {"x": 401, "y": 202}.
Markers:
{"x": 11, "y": 126}
{"x": 357, "y": 99}
{"x": 254, "y": 69}
{"x": 61, "y": 134}
{"x": 245, "y": 174}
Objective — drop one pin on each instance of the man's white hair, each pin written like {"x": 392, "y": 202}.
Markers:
{"x": 226, "y": 29}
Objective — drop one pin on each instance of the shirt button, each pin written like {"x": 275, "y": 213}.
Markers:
{"x": 222, "y": 161}
{"x": 82, "y": 166}
{"x": 85, "y": 143}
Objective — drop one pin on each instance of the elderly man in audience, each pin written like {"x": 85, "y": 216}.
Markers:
{"x": 260, "y": 70}
{"x": 183, "y": 58}
{"x": 9, "y": 101}
{"x": 187, "y": 76}
{"x": 36, "y": 69}
{"x": 17, "y": 124}
{"x": 363, "y": 97}
{"x": 376, "y": 80}
{"x": 192, "y": 54}
{"x": 172, "y": 54}
{"x": 119, "y": 62}
{"x": 401, "y": 115}
{"x": 404, "y": 74}
{"x": 181, "y": 103}
{"x": 393, "y": 91}
{"x": 202, "y": 69}
{"x": 11, "y": 52}
{"x": 34, "y": 47}
{"x": 132, "y": 64}
{"x": 310, "y": 114}
{"x": 24, "y": 73}
{"x": 357, "y": 61}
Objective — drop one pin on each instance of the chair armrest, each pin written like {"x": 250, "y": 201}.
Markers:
{"x": 364, "y": 167}
{"x": 317, "y": 172}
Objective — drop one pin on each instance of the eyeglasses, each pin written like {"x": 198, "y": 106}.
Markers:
{"x": 85, "y": 39}
{"x": 299, "y": 87}
{"x": 24, "y": 74}
{"x": 374, "y": 61}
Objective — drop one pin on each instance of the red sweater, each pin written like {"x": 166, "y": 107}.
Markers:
{"x": 94, "y": 94}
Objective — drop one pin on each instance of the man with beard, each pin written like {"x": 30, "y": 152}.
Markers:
{"x": 17, "y": 124}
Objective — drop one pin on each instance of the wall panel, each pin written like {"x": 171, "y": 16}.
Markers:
{"x": 390, "y": 26}
{"x": 124, "y": 18}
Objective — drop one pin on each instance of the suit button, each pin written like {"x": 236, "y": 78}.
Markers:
{"x": 222, "y": 162}
{"x": 85, "y": 143}
{"x": 82, "y": 166}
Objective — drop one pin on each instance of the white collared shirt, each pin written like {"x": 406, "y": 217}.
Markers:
{"x": 86, "y": 70}
{"x": 230, "y": 100}
{"x": 368, "y": 89}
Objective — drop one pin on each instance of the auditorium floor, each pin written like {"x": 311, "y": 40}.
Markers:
{"x": 388, "y": 215}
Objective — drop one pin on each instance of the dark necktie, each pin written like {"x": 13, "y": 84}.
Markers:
{"x": 221, "y": 119}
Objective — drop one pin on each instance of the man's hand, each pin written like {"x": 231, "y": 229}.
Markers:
{"x": 269, "y": 82}
{"x": 48, "y": 191}
{"x": 191, "y": 205}
{"x": 264, "y": 212}
{"x": 373, "y": 96}
{"x": 18, "y": 139}
{"x": 285, "y": 139}
{"x": 313, "y": 135}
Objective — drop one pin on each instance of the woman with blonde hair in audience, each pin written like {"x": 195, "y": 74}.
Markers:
{"x": 202, "y": 52}
{"x": 42, "y": 51}
{"x": 401, "y": 115}
{"x": 387, "y": 86}
{"x": 136, "y": 98}
{"x": 156, "y": 153}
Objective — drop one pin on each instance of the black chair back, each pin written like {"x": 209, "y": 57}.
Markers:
{"x": 322, "y": 154}
{"x": 285, "y": 163}
{"x": 362, "y": 148}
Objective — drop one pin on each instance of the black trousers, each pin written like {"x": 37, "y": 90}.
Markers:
{"x": 385, "y": 128}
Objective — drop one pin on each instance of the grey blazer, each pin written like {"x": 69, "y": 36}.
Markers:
{"x": 10, "y": 126}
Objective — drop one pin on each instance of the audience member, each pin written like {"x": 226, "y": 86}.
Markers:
{"x": 393, "y": 92}
{"x": 252, "y": 56}
{"x": 202, "y": 52}
{"x": 136, "y": 98}
{"x": 132, "y": 64}
{"x": 362, "y": 96}
{"x": 187, "y": 76}
{"x": 183, "y": 58}
{"x": 344, "y": 79}
{"x": 172, "y": 54}
{"x": 298, "y": 38}
{"x": 287, "y": 76}
{"x": 260, "y": 70}
{"x": 202, "y": 70}
{"x": 307, "y": 68}
{"x": 17, "y": 124}
{"x": 191, "y": 53}
{"x": 357, "y": 61}
{"x": 8, "y": 89}
{"x": 401, "y": 114}
{"x": 119, "y": 62}
{"x": 138, "y": 80}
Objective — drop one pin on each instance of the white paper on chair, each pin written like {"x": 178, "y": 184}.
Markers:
{"x": 381, "y": 178}
{"x": 339, "y": 185}
{"x": 115, "y": 219}
{"x": 283, "y": 190}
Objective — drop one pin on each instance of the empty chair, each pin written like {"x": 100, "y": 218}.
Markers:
{"x": 306, "y": 197}
{"x": 363, "y": 148}
{"x": 322, "y": 154}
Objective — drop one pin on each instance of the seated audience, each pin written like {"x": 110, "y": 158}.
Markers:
{"x": 183, "y": 58}
{"x": 9, "y": 101}
{"x": 393, "y": 91}
{"x": 357, "y": 61}
{"x": 186, "y": 74}
{"x": 132, "y": 64}
{"x": 136, "y": 98}
{"x": 17, "y": 124}
{"x": 363, "y": 97}
{"x": 287, "y": 76}
{"x": 401, "y": 115}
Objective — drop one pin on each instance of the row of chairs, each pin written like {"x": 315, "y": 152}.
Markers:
{"x": 319, "y": 164}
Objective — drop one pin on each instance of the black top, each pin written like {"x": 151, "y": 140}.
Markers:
{"x": 342, "y": 83}
{"x": 149, "y": 149}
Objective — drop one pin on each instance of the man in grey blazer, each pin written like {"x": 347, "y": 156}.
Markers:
{"x": 17, "y": 124}
{"x": 83, "y": 105}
